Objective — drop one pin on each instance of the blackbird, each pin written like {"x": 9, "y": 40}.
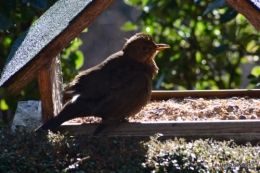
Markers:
{"x": 115, "y": 89}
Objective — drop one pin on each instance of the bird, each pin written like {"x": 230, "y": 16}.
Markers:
{"x": 115, "y": 89}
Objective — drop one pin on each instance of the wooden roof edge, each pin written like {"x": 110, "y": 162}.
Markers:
{"x": 247, "y": 9}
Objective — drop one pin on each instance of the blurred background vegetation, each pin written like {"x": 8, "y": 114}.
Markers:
{"x": 209, "y": 41}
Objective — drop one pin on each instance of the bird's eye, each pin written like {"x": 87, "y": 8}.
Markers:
{"x": 144, "y": 47}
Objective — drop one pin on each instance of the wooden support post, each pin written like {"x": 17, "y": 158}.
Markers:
{"x": 50, "y": 85}
{"x": 57, "y": 85}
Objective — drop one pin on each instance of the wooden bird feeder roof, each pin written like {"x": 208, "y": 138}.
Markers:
{"x": 46, "y": 38}
{"x": 35, "y": 52}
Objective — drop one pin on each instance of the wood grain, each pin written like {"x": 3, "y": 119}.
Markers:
{"x": 50, "y": 86}
{"x": 45, "y": 88}
{"x": 57, "y": 85}
{"x": 172, "y": 127}
{"x": 248, "y": 130}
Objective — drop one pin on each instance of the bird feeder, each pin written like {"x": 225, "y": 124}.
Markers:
{"x": 36, "y": 54}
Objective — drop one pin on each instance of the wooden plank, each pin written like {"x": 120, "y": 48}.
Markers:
{"x": 50, "y": 86}
{"x": 45, "y": 95}
{"x": 168, "y": 94}
{"x": 57, "y": 85}
{"x": 46, "y": 38}
{"x": 248, "y": 10}
{"x": 165, "y": 95}
{"x": 249, "y": 130}
{"x": 169, "y": 127}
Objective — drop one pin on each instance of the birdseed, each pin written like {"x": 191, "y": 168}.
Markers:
{"x": 193, "y": 109}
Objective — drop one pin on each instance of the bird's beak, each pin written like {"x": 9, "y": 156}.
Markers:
{"x": 162, "y": 46}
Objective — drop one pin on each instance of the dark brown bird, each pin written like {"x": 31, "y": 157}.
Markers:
{"x": 115, "y": 89}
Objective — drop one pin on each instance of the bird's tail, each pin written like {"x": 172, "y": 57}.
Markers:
{"x": 71, "y": 109}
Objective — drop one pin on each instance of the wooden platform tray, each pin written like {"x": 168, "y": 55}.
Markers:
{"x": 165, "y": 95}
{"x": 239, "y": 130}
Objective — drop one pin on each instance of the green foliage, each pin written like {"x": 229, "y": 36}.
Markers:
{"x": 129, "y": 26}
{"x": 254, "y": 77}
{"x": 72, "y": 60}
{"x": 14, "y": 13}
{"x": 23, "y": 151}
{"x": 208, "y": 40}
{"x": 15, "y": 17}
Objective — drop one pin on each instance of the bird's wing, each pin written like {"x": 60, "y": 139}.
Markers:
{"x": 121, "y": 86}
{"x": 99, "y": 81}
{"x": 94, "y": 82}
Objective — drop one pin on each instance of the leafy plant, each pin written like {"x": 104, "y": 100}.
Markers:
{"x": 254, "y": 77}
{"x": 23, "y": 151}
{"x": 208, "y": 39}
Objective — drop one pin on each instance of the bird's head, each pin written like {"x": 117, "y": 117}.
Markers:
{"x": 142, "y": 48}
